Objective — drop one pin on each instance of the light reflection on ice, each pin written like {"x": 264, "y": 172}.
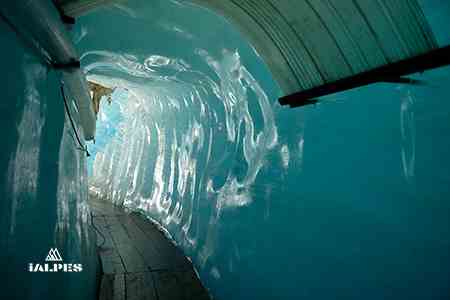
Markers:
{"x": 24, "y": 166}
{"x": 408, "y": 133}
{"x": 158, "y": 158}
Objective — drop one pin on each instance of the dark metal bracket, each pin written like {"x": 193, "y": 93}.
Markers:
{"x": 392, "y": 73}
{"x": 64, "y": 18}
{"x": 74, "y": 64}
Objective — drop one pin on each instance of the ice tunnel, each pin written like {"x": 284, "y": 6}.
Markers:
{"x": 289, "y": 149}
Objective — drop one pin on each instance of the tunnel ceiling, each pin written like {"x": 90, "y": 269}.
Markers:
{"x": 308, "y": 43}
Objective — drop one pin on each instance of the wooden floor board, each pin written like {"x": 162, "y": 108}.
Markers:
{"x": 191, "y": 286}
{"x": 145, "y": 246}
{"x": 167, "y": 286}
{"x": 140, "y": 286}
{"x": 112, "y": 287}
{"x": 110, "y": 258}
{"x": 138, "y": 260}
{"x": 170, "y": 252}
{"x": 103, "y": 208}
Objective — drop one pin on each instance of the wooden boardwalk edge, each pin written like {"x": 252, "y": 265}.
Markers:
{"x": 138, "y": 261}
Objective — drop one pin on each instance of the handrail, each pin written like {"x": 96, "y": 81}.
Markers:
{"x": 39, "y": 20}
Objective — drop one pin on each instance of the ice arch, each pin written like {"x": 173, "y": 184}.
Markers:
{"x": 306, "y": 44}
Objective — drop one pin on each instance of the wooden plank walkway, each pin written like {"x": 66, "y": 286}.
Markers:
{"x": 138, "y": 261}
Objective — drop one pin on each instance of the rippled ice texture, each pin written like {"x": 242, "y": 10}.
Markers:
{"x": 340, "y": 200}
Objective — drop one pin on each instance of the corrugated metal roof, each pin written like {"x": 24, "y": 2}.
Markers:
{"x": 307, "y": 43}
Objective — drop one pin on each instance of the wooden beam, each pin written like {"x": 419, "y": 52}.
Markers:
{"x": 388, "y": 73}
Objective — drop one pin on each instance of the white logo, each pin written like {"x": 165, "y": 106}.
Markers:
{"x": 54, "y": 256}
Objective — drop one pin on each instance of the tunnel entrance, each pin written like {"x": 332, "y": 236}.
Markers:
{"x": 343, "y": 198}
